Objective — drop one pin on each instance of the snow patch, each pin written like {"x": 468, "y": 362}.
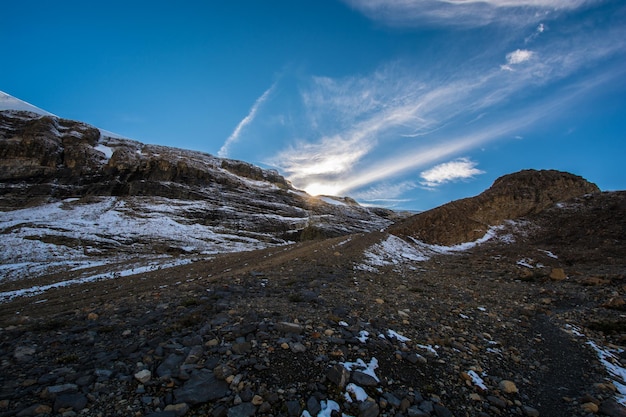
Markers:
{"x": 394, "y": 251}
{"x": 477, "y": 380}
{"x": 39, "y": 289}
{"x": 357, "y": 392}
{"x": 395, "y": 335}
{"x": 366, "y": 368}
{"x": 108, "y": 152}
{"x": 609, "y": 360}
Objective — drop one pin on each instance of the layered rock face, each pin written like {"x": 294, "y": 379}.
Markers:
{"x": 510, "y": 197}
{"x": 44, "y": 159}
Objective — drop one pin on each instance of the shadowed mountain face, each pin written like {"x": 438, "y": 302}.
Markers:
{"x": 510, "y": 197}
{"x": 69, "y": 190}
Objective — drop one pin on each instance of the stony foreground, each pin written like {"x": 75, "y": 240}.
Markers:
{"x": 298, "y": 330}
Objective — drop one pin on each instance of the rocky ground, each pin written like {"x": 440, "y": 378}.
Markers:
{"x": 498, "y": 330}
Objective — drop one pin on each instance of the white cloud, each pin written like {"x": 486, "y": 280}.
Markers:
{"x": 461, "y": 12}
{"x": 518, "y": 56}
{"x": 359, "y": 132}
{"x": 234, "y": 137}
{"x": 461, "y": 168}
{"x": 551, "y": 4}
{"x": 385, "y": 192}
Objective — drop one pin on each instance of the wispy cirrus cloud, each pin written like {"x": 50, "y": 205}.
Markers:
{"x": 464, "y": 13}
{"x": 372, "y": 135}
{"x": 234, "y": 137}
{"x": 367, "y": 130}
{"x": 459, "y": 169}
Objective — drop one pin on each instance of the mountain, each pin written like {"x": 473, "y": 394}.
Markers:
{"x": 75, "y": 194}
{"x": 152, "y": 281}
{"x": 8, "y": 102}
{"x": 510, "y": 197}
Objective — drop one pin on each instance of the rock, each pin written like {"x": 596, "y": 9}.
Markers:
{"x": 427, "y": 406}
{"x": 92, "y": 316}
{"x": 35, "y": 410}
{"x": 257, "y": 400}
{"x": 364, "y": 379}
{"x": 170, "y": 366}
{"x": 62, "y": 389}
{"x": 178, "y": 409}
{"x": 313, "y": 406}
{"x": 75, "y": 401}
{"x": 392, "y": 400}
{"x": 441, "y": 411}
{"x": 498, "y": 402}
{"x": 223, "y": 371}
{"x": 590, "y": 407}
{"x": 368, "y": 409}
{"x": 284, "y": 327}
{"x": 241, "y": 348}
{"x": 293, "y": 408}
{"x": 530, "y": 411}
{"x": 508, "y": 387}
{"x": 242, "y": 410}
{"x": 23, "y": 353}
{"x": 616, "y": 303}
{"x": 143, "y": 376}
{"x": 557, "y": 274}
{"x": 194, "y": 355}
{"x": 415, "y": 411}
{"x": 612, "y": 409}
{"x": 338, "y": 375}
{"x": 201, "y": 387}
{"x": 297, "y": 347}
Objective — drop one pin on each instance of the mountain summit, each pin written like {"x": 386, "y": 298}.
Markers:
{"x": 510, "y": 197}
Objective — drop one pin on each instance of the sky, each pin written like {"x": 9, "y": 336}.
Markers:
{"x": 406, "y": 104}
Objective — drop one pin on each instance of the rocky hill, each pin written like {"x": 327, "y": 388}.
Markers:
{"x": 148, "y": 281}
{"x": 510, "y": 197}
{"x": 72, "y": 193}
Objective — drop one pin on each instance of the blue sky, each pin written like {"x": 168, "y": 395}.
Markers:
{"x": 406, "y": 104}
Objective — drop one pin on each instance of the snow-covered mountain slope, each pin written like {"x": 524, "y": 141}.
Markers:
{"x": 8, "y": 102}
{"x": 72, "y": 193}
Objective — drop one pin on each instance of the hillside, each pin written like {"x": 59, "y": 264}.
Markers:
{"x": 150, "y": 281}
{"x": 71, "y": 194}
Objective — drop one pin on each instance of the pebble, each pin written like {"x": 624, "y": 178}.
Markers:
{"x": 508, "y": 387}
{"x": 143, "y": 376}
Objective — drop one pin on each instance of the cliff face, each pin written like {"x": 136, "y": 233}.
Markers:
{"x": 52, "y": 157}
{"x": 65, "y": 185}
{"x": 510, "y": 197}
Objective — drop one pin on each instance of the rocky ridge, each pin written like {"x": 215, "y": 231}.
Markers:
{"x": 69, "y": 191}
{"x": 510, "y": 197}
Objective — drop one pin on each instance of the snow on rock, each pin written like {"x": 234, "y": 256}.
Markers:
{"x": 8, "y": 102}
{"x": 609, "y": 360}
{"x": 477, "y": 380}
{"x": 107, "y": 151}
{"x": 72, "y": 232}
{"x": 356, "y": 392}
{"x": 39, "y": 289}
{"x": 394, "y": 251}
{"x": 395, "y": 335}
{"x": 366, "y": 368}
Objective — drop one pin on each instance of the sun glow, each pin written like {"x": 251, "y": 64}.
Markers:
{"x": 317, "y": 188}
